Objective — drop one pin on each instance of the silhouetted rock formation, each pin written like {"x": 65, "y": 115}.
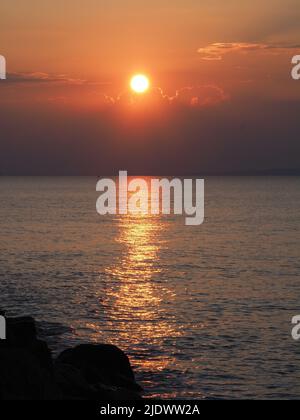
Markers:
{"x": 88, "y": 372}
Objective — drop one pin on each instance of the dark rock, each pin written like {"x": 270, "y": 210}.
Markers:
{"x": 72, "y": 384}
{"x": 102, "y": 363}
{"x": 87, "y": 372}
{"x": 102, "y": 356}
{"x": 107, "y": 393}
{"x": 23, "y": 378}
{"x": 21, "y": 331}
{"x": 40, "y": 351}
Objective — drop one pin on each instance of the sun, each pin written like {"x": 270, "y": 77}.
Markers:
{"x": 139, "y": 83}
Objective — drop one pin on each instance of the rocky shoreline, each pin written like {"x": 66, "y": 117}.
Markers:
{"x": 28, "y": 370}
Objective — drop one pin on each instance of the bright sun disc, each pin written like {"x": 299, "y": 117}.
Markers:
{"x": 139, "y": 83}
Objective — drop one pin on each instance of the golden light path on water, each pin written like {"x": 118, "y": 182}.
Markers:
{"x": 135, "y": 296}
{"x": 136, "y": 304}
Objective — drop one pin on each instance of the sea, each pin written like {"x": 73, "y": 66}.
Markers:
{"x": 203, "y": 312}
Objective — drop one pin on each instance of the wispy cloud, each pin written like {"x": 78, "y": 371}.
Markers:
{"x": 217, "y": 50}
{"x": 43, "y": 78}
{"x": 40, "y": 77}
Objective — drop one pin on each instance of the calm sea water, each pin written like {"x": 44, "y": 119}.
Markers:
{"x": 202, "y": 311}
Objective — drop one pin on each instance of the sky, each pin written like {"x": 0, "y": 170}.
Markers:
{"x": 221, "y": 100}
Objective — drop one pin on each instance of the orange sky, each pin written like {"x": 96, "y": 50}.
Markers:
{"x": 107, "y": 40}
{"x": 81, "y": 54}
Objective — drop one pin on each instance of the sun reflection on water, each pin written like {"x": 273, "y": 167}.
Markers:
{"x": 139, "y": 295}
{"x": 136, "y": 299}
{"x": 135, "y": 295}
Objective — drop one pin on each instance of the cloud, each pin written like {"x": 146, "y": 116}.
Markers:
{"x": 64, "y": 91}
{"x": 43, "y": 78}
{"x": 155, "y": 96}
{"x": 218, "y": 50}
{"x": 200, "y": 96}
{"x": 40, "y": 77}
{"x": 190, "y": 96}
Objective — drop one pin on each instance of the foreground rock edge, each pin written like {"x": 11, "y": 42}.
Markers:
{"x": 28, "y": 371}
